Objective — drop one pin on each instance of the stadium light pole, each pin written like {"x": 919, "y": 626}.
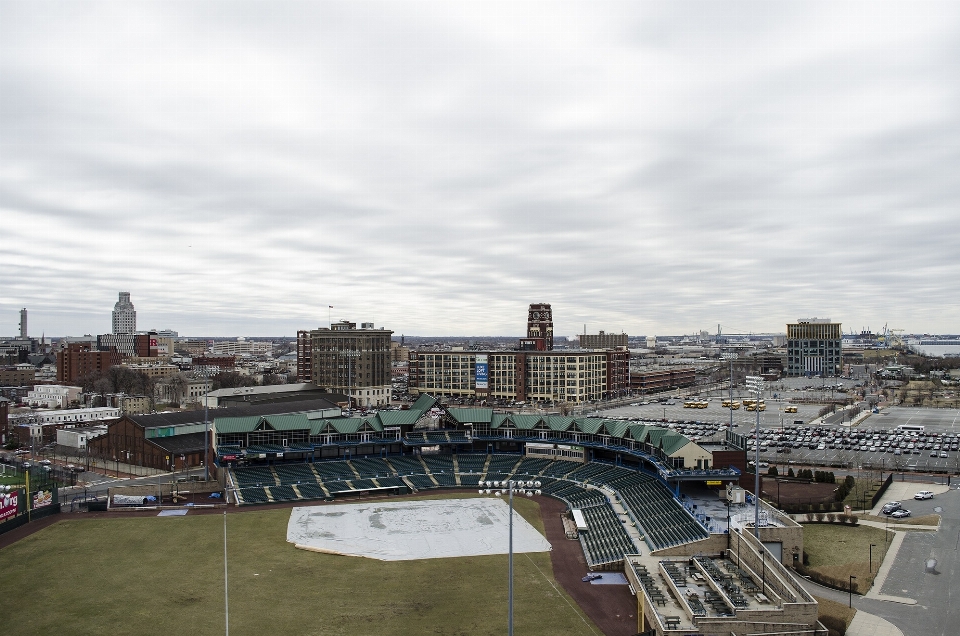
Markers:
{"x": 499, "y": 489}
{"x": 206, "y": 425}
{"x": 226, "y": 591}
{"x": 755, "y": 384}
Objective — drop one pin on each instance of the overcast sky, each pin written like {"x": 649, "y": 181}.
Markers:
{"x": 434, "y": 167}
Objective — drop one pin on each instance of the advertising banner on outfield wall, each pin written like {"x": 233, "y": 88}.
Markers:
{"x": 8, "y": 504}
{"x": 482, "y": 371}
{"x": 42, "y": 498}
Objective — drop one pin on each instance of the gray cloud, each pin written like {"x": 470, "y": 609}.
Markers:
{"x": 654, "y": 167}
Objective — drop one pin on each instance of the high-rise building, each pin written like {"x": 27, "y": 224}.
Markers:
{"x": 124, "y": 316}
{"x": 347, "y": 360}
{"x": 23, "y": 323}
{"x": 540, "y": 324}
{"x": 813, "y": 347}
{"x": 603, "y": 340}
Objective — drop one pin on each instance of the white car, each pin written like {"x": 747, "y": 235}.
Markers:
{"x": 924, "y": 494}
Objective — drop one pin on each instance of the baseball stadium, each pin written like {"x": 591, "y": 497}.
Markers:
{"x": 621, "y": 527}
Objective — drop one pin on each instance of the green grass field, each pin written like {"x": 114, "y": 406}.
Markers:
{"x": 837, "y": 551}
{"x": 150, "y": 575}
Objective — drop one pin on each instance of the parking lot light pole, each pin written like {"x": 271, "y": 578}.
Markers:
{"x": 872, "y": 546}
{"x": 755, "y": 384}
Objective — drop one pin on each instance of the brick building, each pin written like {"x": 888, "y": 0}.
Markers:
{"x": 80, "y": 359}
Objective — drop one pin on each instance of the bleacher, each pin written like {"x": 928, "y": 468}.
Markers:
{"x": 604, "y": 541}
{"x": 334, "y": 470}
{"x": 254, "y": 476}
{"x": 253, "y": 495}
{"x": 284, "y": 493}
{"x": 294, "y": 473}
{"x": 657, "y": 514}
{"x": 407, "y": 465}
{"x": 532, "y": 466}
{"x": 559, "y": 468}
{"x": 441, "y": 467}
{"x": 502, "y": 466}
{"x": 371, "y": 467}
{"x": 311, "y": 491}
{"x": 471, "y": 463}
{"x": 421, "y": 481}
{"x": 660, "y": 515}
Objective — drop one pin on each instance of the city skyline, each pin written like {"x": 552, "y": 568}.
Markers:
{"x": 433, "y": 168}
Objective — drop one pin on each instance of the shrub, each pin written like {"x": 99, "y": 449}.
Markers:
{"x": 820, "y": 516}
{"x": 810, "y": 516}
{"x": 790, "y": 472}
{"x": 772, "y": 471}
{"x": 831, "y": 517}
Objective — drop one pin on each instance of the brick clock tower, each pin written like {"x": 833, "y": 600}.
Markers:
{"x": 540, "y": 323}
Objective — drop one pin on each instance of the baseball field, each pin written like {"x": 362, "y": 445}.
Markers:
{"x": 150, "y": 575}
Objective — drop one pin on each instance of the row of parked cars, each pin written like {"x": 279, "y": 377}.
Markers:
{"x": 891, "y": 441}
{"x": 896, "y": 510}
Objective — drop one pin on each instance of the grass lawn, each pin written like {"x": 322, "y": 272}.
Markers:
{"x": 925, "y": 520}
{"x": 837, "y": 551}
{"x": 833, "y": 614}
{"x": 150, "y": 575}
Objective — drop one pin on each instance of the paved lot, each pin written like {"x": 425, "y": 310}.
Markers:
{"x": 936, "y": 613}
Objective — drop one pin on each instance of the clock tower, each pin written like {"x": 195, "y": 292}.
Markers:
{"x": 540, "y": 323}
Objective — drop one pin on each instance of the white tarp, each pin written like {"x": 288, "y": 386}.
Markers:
{"x": 407, "y": 530}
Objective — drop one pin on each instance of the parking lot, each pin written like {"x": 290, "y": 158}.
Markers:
{"x": 876, "y": 442}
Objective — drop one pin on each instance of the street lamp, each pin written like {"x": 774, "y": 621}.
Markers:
{"x": 755, "y": 384}
{"x": 872, "y": 546}
{"x": 509, "y": 487}
{"x": 850, "y": 589}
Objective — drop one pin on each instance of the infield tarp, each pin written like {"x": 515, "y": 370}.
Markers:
{"x": 408, "y": 530}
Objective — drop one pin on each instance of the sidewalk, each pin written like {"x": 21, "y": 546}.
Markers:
{"x": 865, "y": 624}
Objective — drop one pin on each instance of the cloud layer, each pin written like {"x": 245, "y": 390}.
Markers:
{"x": 433, "y": 167}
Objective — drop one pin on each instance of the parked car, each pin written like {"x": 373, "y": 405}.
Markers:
{"x": 899, "y": 514}
{"x": 593, "y": 576}
{"x": 890, "y": 506}
{"x": 924, "y": 494}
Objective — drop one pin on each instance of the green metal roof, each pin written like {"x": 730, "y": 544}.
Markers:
{"x": 224, "y": 425}
{"x": 424, "y": 403}
{"x": 470, "y": 416}
{"x": 292, "y": 422}
{"x": 497, "y": 420}
{"x": 672, "y": 442}
{"x": 587, "y": 424}
{"x": 525, "y": 422}
{"x": 559, "y": 423}
{"x": 399, "y": 418}
{"x": 616, "y": 428}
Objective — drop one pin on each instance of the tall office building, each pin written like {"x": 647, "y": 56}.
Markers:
{"x": 23, "y": 322}
{"x": 124, "y": 316}
{"x": 813, "y": 347}
{"x": 347, "y": 360}
{"x": 540, "y": 324}
{"x": 603, "y": 340}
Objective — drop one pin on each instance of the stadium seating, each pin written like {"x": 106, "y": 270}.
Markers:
{"x": 371, "y": 467}
{"x": 332, "y": 470}
{"x": 649, "y": 504}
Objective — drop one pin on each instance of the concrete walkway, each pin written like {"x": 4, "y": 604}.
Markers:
{"x": 865, "y": 624}
{"x": 884, "y": 570}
